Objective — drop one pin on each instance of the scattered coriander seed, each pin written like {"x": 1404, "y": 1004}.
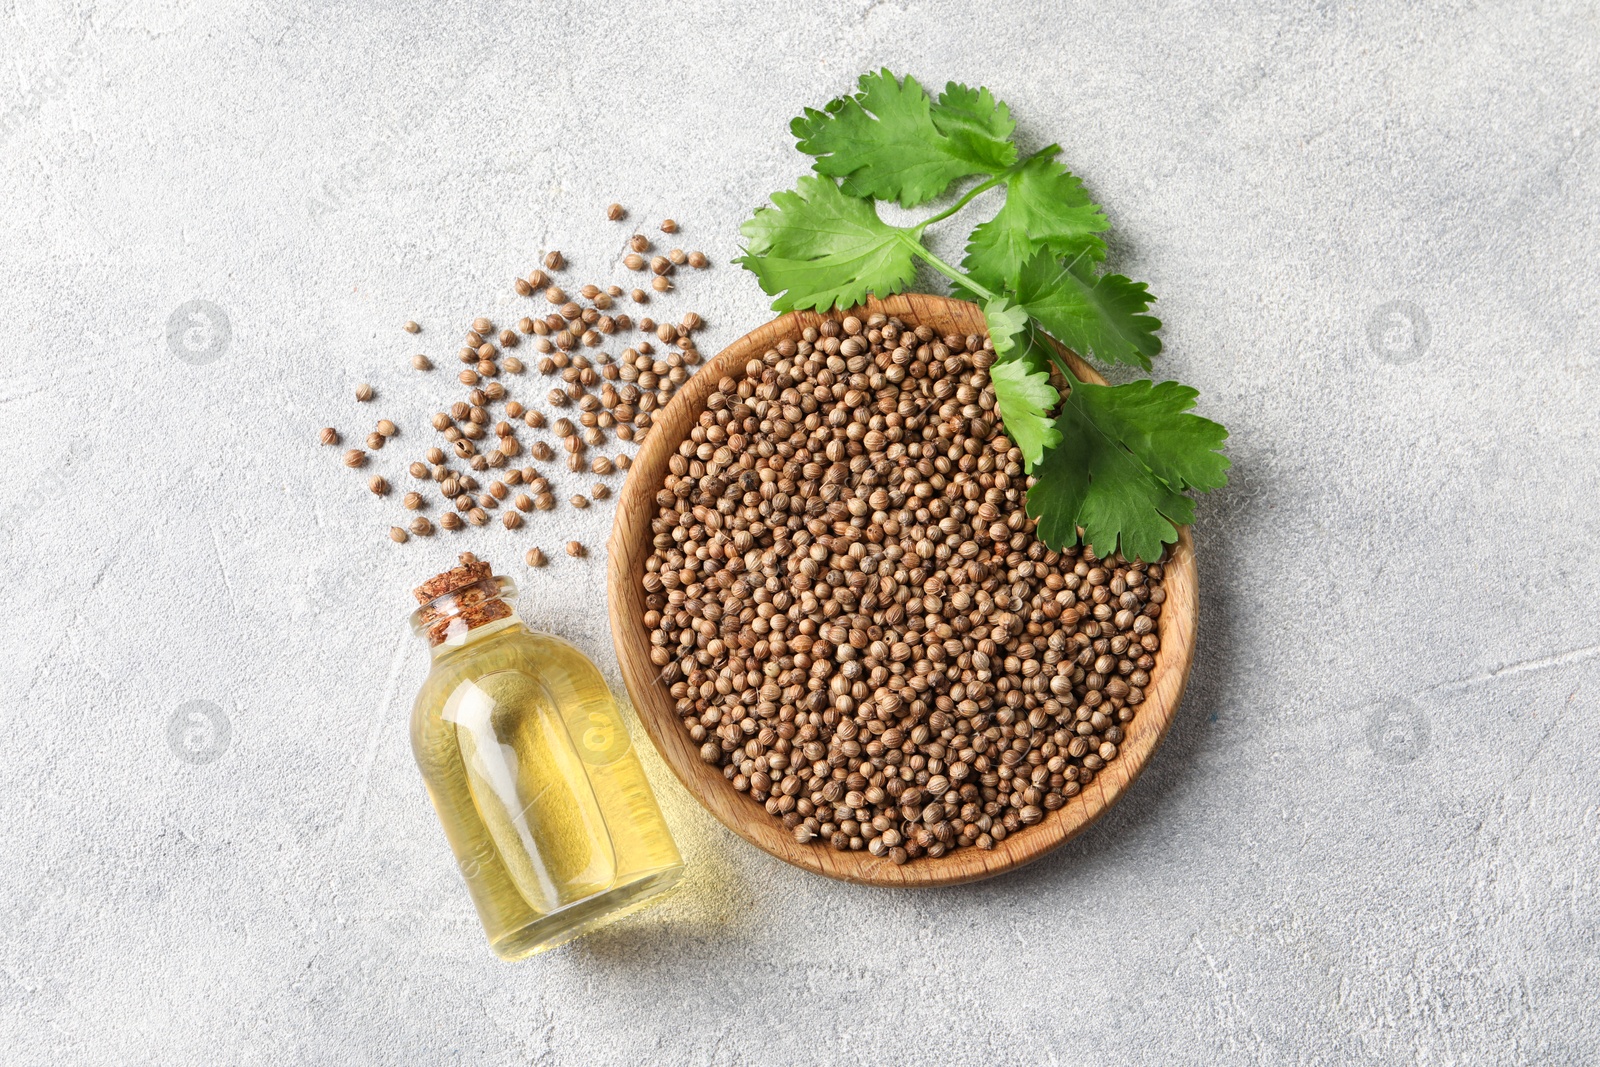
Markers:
{"x": 328, "y": 436}
{"x": 421, "y": 526}
{"x": 421, "y": 362}
{"x": 691, "y": 321}
{"x": 523, "y": 502}
{"x": 525, "y": 325}
{"x": 468, "y": 377}
{"x": 364, "y": 392}
{"x": 545, "y": 501}
{"x": 615, "y": 212}
{"x": 601, "y": 466}
{"x": 538, "y": 279}
{"x": 579, "y": 500}
{"x": 375, "y": 441}
{"x": 648, "y": 325}
{"x": 522, "y": 287}
{"x": 468, "y": 354}
{"x": 398, "y": 536}
{"x": 660, "y": 265}
{"x": 411, "y": 327}
{"x": 435, "y": 456}
{"x": 624, "y": 461}
{"x": 387, "y": 428}
{"x": 556, "y": 295}
{"x": 601, "y": 491}
{"x": 511, "y": 520}
{"x": 486, "y": 351}
{"x": 533, "y": 419}
{"x": 509, "y": 338}
{"x": 450, "y": 521}
{"x": 512, "y": 365}
{"x": 514, "y": 409}
{"x": 613, "y": 290}
{"x": 477, "y": 516}
{"x": 698, "y": 260}
{"x": 482, "y": 327}
{"x": 355, "y": 458}
{"x": 660, "y": 284}
{"x": 678, "y": 256}
{"x": 419, "y": 470}
{"x": 378, "y": 486}
{"x": 669, "y": 226}
{"x": 639, "y": 243}
{"x": 412, "y": 501}
{"x": 541, "y": 451}
{"x": 639, "y": 296}
{"x": 633, "y": 261}
{"x": 535, "y": 558}
{"x": 590, "y": 291}
{"x": 494, "y": 390}
{"x": 554, "y": 261}
{"x": 575, "y": 549}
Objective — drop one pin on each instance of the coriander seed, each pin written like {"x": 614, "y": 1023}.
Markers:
{"x": 535, "y": 558}
{"x": 355, "y": 458}
{"x": 421, "y": 526}
{"x": 364, "y": 392}
{"x": 575, "y": 549}
{"x": 615, "y": 212}
{"x": 397, "y": 535}
{"x": 328, "y": 436}
{"x": 411, "y": 327}
{"x": 669, "y": 226}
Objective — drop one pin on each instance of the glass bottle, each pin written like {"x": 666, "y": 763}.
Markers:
{"x": 531, "y": 770}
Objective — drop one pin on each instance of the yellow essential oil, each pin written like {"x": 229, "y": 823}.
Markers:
{"x": 531, "y": 770}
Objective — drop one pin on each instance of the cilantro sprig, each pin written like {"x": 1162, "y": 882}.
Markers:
{"x": 1112, "y": 464}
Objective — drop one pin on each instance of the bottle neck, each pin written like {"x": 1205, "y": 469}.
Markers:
{"x": 466, "y": 613}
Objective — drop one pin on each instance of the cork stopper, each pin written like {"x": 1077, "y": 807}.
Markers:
{"x": 471, "y": 571}
{"x": 459, "y": 599}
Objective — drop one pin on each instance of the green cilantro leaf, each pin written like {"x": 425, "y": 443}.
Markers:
{"x": 817, "y": 247}
{"x": 884, "y": 143}
{"x": 1106, "y": 475}
{"x": 1154, "y": 422}
{"x": 1025, "y": 398}
{"x": 1046, "y": 207}
{"x": 1005, "y": 321}
{"x": 1101, "y": 315}
{"x": 978, "y": 125}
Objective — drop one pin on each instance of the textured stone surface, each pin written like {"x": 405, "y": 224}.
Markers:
{"x": 1372, "y": 834}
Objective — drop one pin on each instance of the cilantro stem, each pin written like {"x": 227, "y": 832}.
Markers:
{"x": 972, "y": 194}
{"x": 921, "y": 251}
{"x": 983, "y": 187}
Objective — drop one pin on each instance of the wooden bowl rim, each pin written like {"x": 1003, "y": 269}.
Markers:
{"x": 630, "y": 545}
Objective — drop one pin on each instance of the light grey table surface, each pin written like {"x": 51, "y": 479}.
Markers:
{"x": 1373, "y": 835}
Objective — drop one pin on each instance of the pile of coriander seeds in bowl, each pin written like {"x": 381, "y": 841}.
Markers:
{"x": 853, "y": 622}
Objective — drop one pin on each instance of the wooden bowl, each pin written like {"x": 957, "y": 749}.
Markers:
{"x": 630, "y": 547}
